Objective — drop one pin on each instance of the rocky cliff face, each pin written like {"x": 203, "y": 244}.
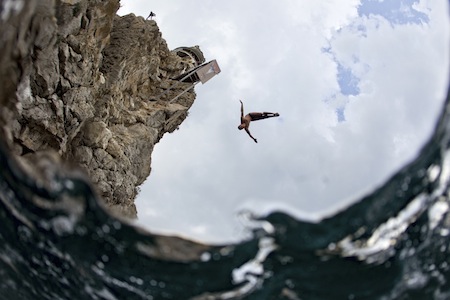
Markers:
{"x": 77, "y": 79}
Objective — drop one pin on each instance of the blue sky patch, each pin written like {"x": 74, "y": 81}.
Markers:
{"x": 347, "y": 81}
{"x": 395, "y": 11}
{"x": 340, "y": 114}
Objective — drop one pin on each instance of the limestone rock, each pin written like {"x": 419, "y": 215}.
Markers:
{"x": 77, "y": 80}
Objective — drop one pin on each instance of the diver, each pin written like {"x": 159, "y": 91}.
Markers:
{"x": 253, "y": 116}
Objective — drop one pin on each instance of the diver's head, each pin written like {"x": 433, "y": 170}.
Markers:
{"x": 240, "y": 127}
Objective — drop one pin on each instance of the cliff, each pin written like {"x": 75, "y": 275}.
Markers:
{"x": 77, "y": 80}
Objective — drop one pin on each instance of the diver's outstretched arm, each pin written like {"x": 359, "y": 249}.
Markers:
{"x": 242, "y": 109}
{"x": 248, "y": 131}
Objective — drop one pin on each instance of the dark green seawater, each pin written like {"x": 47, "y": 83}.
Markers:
{"x": 57, "y": 242}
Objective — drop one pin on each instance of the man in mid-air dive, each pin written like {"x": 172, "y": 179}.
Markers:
{"x": 253, "y": 116}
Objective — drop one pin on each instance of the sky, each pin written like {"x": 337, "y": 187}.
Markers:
{"x": 358, "y": 84}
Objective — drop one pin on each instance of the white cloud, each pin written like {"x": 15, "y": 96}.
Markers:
{"x": 272, "y": 57}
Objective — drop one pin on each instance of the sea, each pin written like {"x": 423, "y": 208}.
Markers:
{"x": 57, "y": 241}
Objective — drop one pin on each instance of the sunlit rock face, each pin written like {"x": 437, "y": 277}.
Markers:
{"x": 91, "y": 86}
